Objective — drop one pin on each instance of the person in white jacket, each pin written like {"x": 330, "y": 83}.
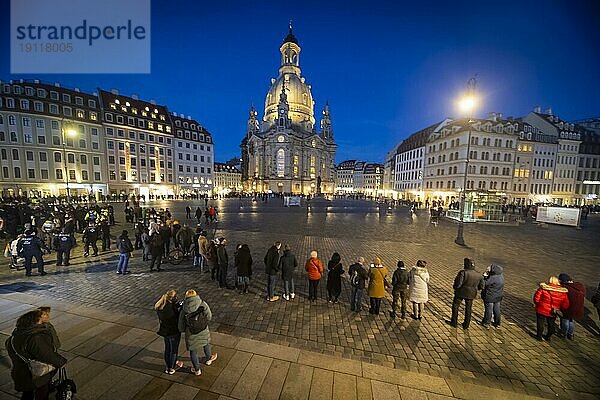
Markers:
{"x": 418, "y": 288}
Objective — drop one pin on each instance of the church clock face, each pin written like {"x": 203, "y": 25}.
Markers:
{"x": 280, "y": 138}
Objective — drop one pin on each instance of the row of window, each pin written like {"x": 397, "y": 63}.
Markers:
{"x": 144, "y": 177}
{"x": 41, "y": 139}
{"x": 141, "y": 123}
{"x": 42, "y": 93}
{"x": 43, "y": 157}
{"x": 44, "y": 174}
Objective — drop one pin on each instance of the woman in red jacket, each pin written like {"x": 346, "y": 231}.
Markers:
{"x": 314, "y": 269}
{"x": 550, "y": 300}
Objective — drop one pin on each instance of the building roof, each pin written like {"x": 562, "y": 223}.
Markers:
{"x": 418, "y": 139}
{"x": 290, "y": 38}
{"x": 346, "y": 165}
{"x": 373, "y": 168}
{"x": 223, "y": 167}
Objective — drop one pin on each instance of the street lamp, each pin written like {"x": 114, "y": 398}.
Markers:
{"x": 67, "y": 130}
{"x": 466, "y": 105}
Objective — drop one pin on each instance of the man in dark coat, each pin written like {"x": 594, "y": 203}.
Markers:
{"x": 222, "y": 262}
{"x": 33, "y": 339}
{"x": 199, "y": 214}
{"x": 105, "y": 231}
{"x": 400, "y": 290}
{"x": 90, "y": 237}
{"x": 492, "y": 292}
{"x": 243, "y": 263}
{"x": 576, "y": 295}
{"x": 466, "y": 284}
{"x": 165, "y": 235}
{"x": 358, "y": 277}
{"x": 156, "y": 249}
{"x": 28, "y": 247}
{"x": 271, "y": 269}
{"x": 288, "y": 264}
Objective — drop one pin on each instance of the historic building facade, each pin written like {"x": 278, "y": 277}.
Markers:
{"x": 54, "y": 139}
{"x": 228, "y": 179}
{"x": 284, "y": 152}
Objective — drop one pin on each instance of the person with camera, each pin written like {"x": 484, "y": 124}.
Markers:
{"x": 550, "y": 300}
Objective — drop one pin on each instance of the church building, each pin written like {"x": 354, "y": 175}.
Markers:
{"x": 284, "y": 152}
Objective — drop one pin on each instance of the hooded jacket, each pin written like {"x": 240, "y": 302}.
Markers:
{"x": 377, "y": 275}
{"x": 243, "y": 261}
{"x": 35, "y": 343}
{"x": 288, "y": 264}
{"x": 334, "y": 274}
{"x": 493, "y": 285}
{"x": 314, "y": 269}
{"x": 418, "y": 280}
{"x": 196, "y": 341}
{"x": 550, "y": 297}
{"x": 467, "y": 282}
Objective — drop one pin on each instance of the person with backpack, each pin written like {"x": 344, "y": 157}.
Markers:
{"x": 575, "y": 311}
{"x": 358, "y": 277}
{"x": 400, "y": 290}
{"x": 156, "y": 247}
{"x": 466, "y": 284}
{"x": 125, "y": 248}
{"x": 167, "y": 308}
{"x": 193, "y": 321}
{"x": 334, "y": 278}
{"x": 287, "y": 265}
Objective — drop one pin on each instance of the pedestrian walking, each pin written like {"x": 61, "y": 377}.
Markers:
{"x": 334, "y": 278}
{"x": 418, "y": 287}
{"x": 194, "y": 318}
{"x": 29, "y": 247}
{"x": 314, "y": 271}
{"x": 288, "y": 265}
{"x": 188, "y": 212}
{"x": 33, "y": 339}
{"x": 377, "y": 284}
{"x": 198, "y": 215}
{"x": 125, "y": 248}
{"x": 243, "y": 265}
{"x": 575, "y": 311}
{"x": 167, "y": 308}
{"x": 271, "y": 268}
{"x": 466, "y": 284}
{"x": 550, "y": 301}
{"x": 491, "y": 294}
{"x": 222, "y": 262}
{"x": 156, "y": 247}
{"x": 90, "y": 237}
{"x": 63, "y": 243}
{"x": 400, "y": 290}
{"x": 358, "y": 277}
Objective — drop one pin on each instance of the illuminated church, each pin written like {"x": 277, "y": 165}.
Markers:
{"x": 284, "y": 152}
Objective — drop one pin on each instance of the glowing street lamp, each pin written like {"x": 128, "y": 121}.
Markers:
{"x": 466, "y": 105}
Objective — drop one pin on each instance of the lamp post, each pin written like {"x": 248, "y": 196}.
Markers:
{"x": 66, "y": 130}
{"x": 467, "y": 105}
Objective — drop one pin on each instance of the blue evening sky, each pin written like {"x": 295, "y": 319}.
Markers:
{"x": 388, "y": 69}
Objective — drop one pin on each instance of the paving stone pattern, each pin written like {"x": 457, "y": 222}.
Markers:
{"x": 507, "y": 358}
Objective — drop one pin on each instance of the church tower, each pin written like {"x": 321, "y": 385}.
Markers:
{"x": 326, "y": 130}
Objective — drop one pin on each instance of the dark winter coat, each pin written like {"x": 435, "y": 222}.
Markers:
{"x": 493, "y": 285}
{"x": 272, "y": 261}
{"x": 550, "y": 297}
{"x": 30, "y": 245}
{"x": 169, "y": 318}
{"x": 288, "y": 265}
{"x": 64, "y": 242}
{"x": 124, "y": 245}
{"x": 400, "y": 280}
{"x": 243, "y": 261}
{"x": 35, "y": 343}
{"x": 90, "y": 234}
{"x": 156, "y": 244}
{"x": 334, "y": 275}
{"x": 467, "y": 283}
{"x": 222, "y": 256}
{"x": 576, "y": 295}
{"x": 361, "y": 274}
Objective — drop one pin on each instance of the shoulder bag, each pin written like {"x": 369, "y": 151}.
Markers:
{"x": 37, "y": 368}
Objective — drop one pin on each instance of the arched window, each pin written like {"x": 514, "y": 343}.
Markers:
{"x": 280, "y": 163}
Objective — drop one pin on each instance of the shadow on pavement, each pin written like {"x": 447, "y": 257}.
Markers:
{"x": 22, "y": 287}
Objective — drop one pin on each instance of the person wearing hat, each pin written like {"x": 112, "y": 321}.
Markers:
{"x": 377, "y": 285}
{"x": 466, "y": 284}
{"x": 576, "y": 295}
{"x": 492, "y": 292}
{"x": 125, "y": 248}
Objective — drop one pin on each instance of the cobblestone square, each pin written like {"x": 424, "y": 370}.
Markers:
{"x": 507, "y": 358}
